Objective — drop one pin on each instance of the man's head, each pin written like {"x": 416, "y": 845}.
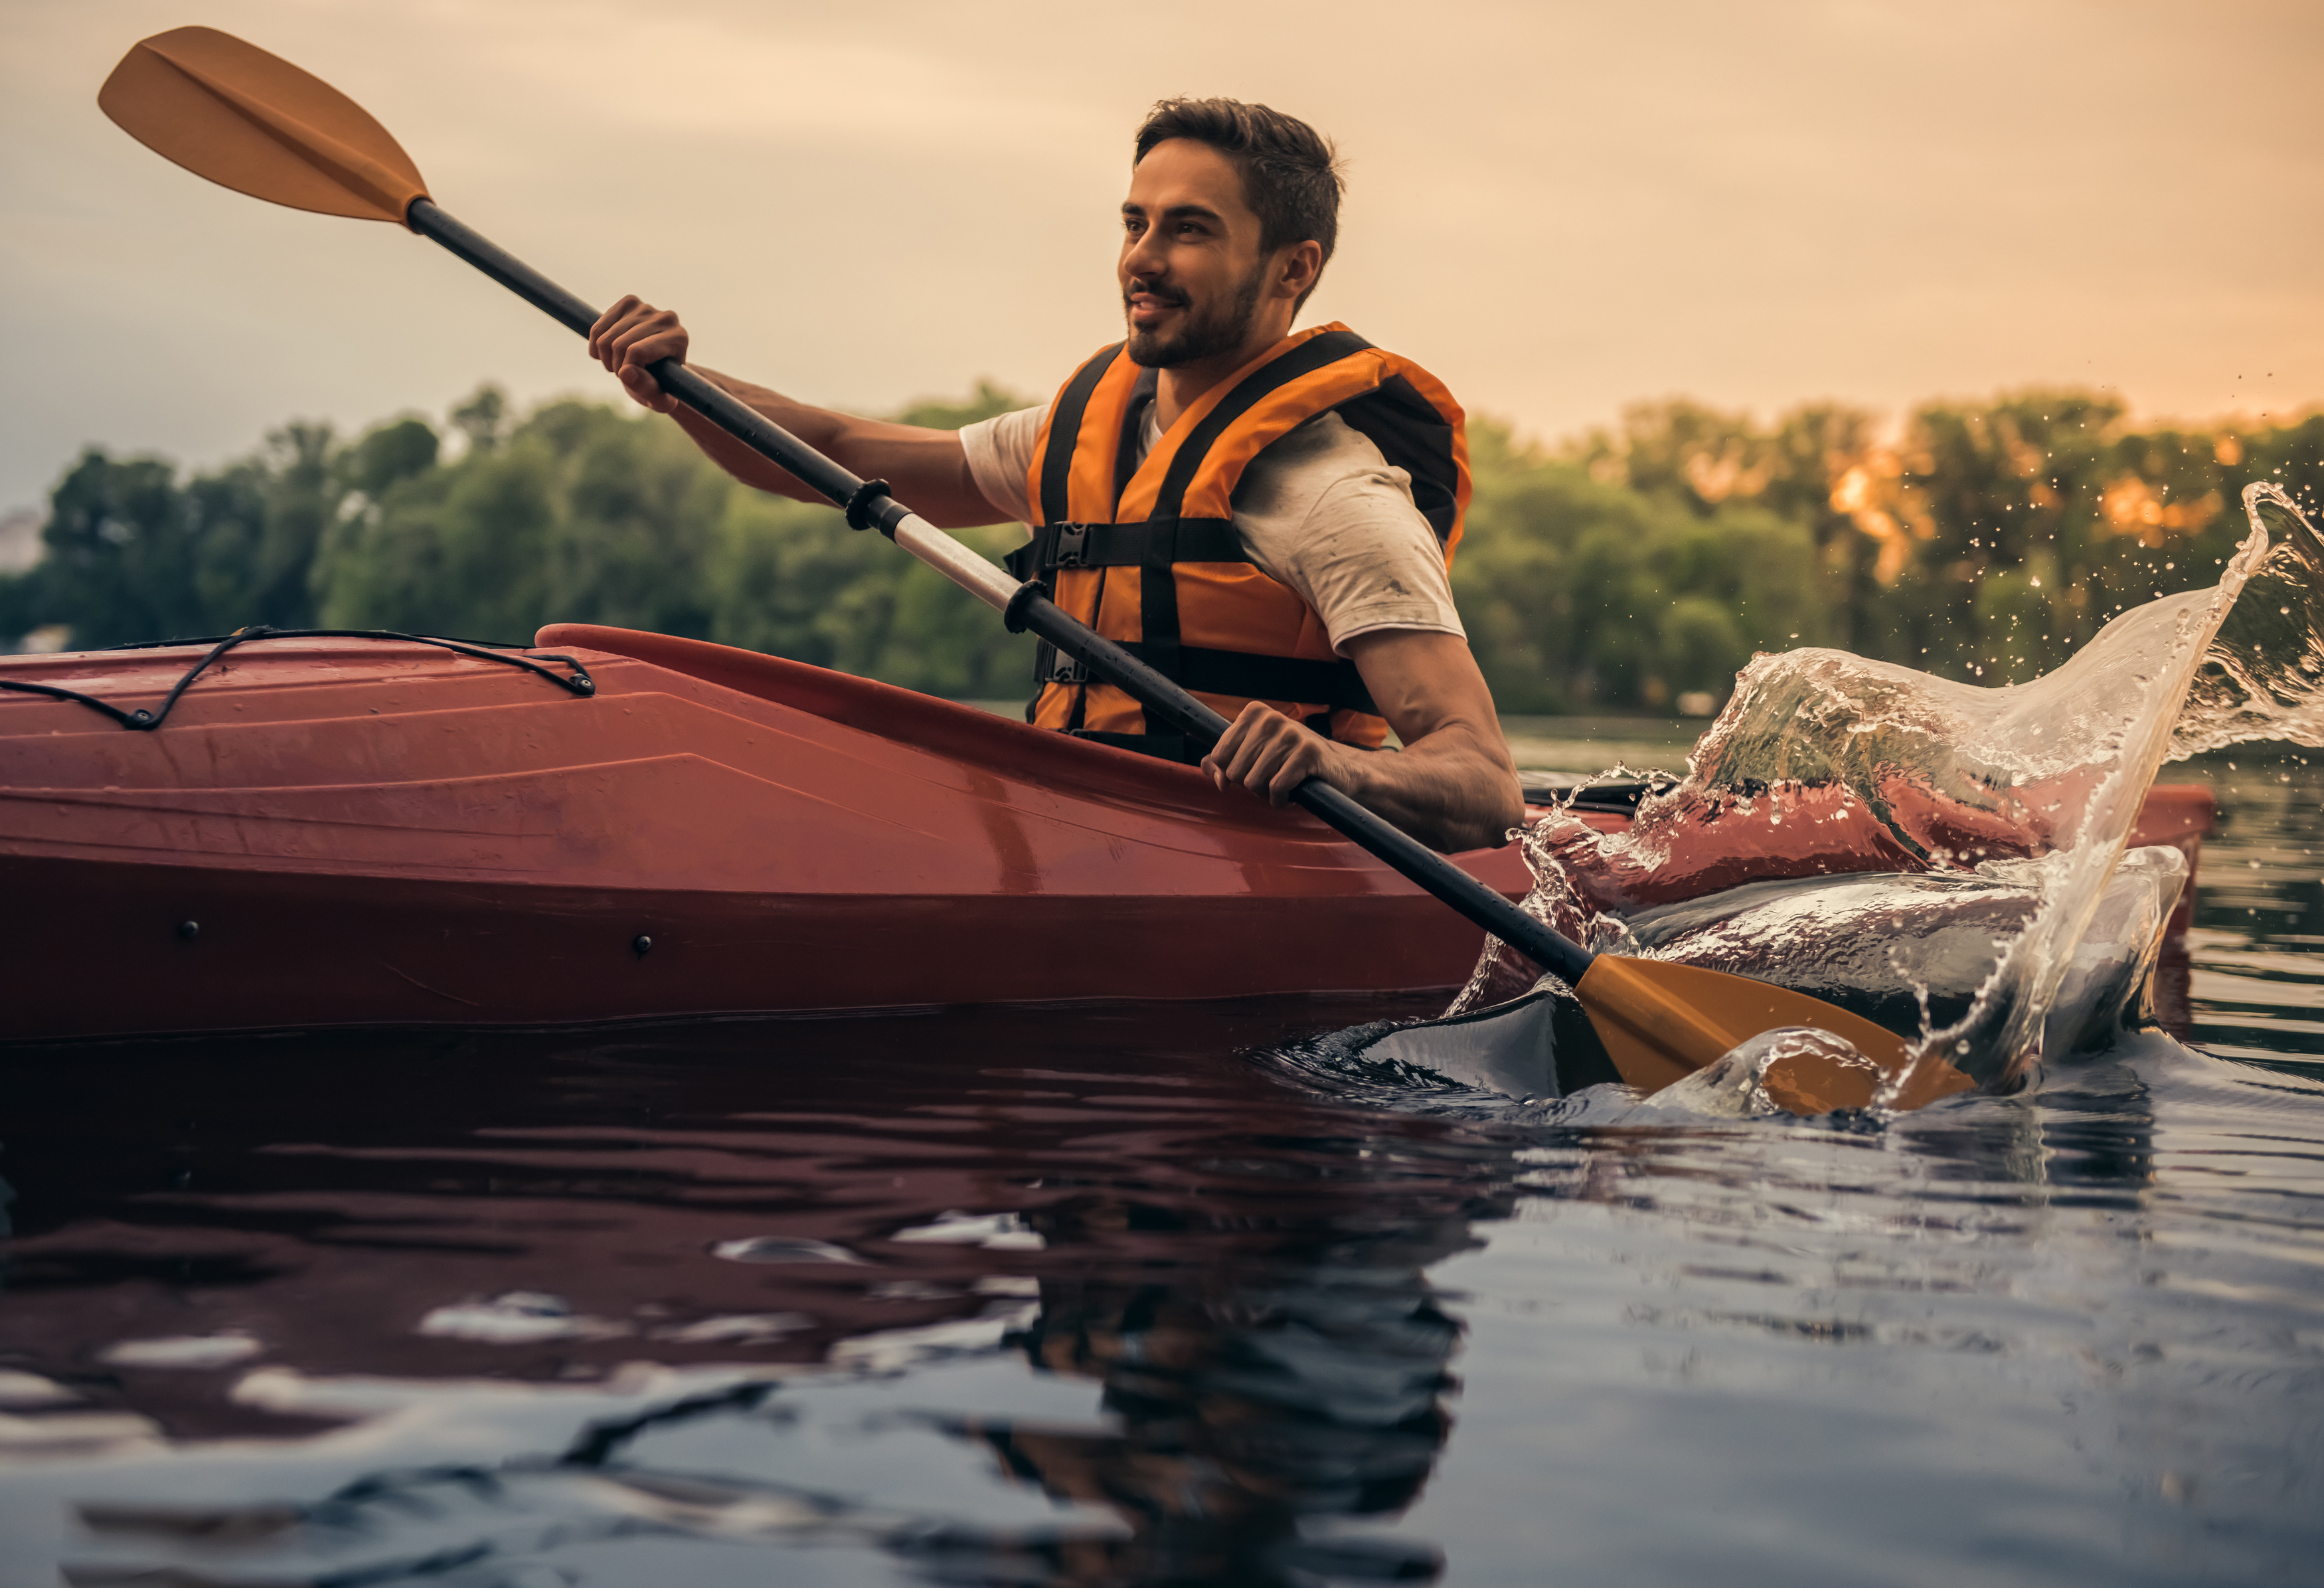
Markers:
{"x": 1233, "y": 211}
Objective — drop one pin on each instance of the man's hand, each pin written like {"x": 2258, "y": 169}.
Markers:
{"x": 1270, "y": 754}
{"x": 632, "y": 335}
{"x": 1453, "y": 786}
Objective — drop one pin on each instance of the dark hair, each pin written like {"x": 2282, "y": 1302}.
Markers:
{"x": 1290, "y": 171}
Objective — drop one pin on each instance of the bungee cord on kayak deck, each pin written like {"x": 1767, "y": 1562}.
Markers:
{"x": 142, "y": 721}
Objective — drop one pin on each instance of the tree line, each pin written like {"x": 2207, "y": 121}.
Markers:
{"x": 1635, "y": 567}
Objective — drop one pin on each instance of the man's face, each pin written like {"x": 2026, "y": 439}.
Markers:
{"x": 1191, "y": 270}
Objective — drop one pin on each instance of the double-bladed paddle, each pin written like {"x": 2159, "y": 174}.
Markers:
{"x": 251, "y": 121}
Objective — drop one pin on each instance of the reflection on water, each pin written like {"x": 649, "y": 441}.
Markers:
{"x": 1080, "y": 1296}
{"x": 2257, "y": 980}
{"x": 1118, "y": 1296}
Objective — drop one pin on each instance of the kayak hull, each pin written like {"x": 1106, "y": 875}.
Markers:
{"x": 273, "y": 950}
{"x": 332, "y": 832}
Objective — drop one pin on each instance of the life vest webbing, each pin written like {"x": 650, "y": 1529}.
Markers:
{"x": 1055, "y": 546}
{"x": 1336, "y": 684}
{"x": 1181, "y": 539}
{"x": 1070, "y": 545}
{"x": 1157, "y": 584}
{"x": 1065, "y": 427}
{"x": 1127, "y": 453}
{"x": 1405, "y": 425}
{"x": 1304, "y": 360}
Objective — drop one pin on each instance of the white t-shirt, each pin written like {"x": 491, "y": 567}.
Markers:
{"x": 1321, "y": 509}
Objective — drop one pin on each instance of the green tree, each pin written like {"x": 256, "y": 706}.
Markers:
{"x": 120, "y": 557}
{"x": 1580, "y": 594}
{"x": 583, "y": 513}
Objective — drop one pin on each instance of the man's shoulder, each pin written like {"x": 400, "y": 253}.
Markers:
{"x": 1327, "y": 440}
{"x": 1323, "y": 459}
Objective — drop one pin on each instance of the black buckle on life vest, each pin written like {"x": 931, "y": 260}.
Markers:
{"x": 1072, "y": 546}
{"x": 1053, "y": 666}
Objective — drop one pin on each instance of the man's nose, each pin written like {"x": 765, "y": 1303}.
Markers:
{"x": 1143, "y": 258}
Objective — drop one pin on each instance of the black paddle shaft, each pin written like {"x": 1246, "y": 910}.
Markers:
{"x": 869, "y": 505}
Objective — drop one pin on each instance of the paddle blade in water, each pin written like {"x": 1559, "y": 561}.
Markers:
{"x": 254, "y": 123}
{"x": 1662, "y": 1021}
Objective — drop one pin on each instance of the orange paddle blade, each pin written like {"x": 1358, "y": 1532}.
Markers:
{"x": 254, "y": 123}
{"x": 1661, "y": 1023}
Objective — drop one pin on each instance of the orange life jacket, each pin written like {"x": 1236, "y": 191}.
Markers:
{"x": 1146, "y": 554}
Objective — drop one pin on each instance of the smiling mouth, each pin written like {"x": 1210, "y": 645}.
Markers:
{"x": 1144, "y": 303}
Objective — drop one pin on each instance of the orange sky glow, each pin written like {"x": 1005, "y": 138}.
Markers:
{"x": 1561, "y": 208}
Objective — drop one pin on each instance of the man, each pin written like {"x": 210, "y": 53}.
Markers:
{"x": 1282, "y": 553}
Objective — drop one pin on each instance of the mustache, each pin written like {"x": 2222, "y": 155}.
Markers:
{"x": 1170, "y": 295}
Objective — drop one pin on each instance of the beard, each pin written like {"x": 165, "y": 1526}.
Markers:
{"x": 1203, "y": 333}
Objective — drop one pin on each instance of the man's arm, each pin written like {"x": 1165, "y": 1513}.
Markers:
{"x": 1453, "y": 786}
{"x": 927, "y": 469}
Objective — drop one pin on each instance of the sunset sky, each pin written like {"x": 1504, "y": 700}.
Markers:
{"x": 1559, "y": 208}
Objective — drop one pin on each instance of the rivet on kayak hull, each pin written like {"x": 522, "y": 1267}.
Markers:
{"x": 641, "y": 943}
{"x": 189, "y": 930}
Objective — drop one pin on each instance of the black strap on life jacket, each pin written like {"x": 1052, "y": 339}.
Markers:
{"x": 1175, "y": 747}
{"x": 1410, "y": 432}
{"x": 1174, "y": 539}
{"x": 1302, "y": 360}
{"x": 1336, "y": 684}
{"x": 1065, "y": 434}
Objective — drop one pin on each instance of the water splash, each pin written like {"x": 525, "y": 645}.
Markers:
{"x": 1825, "y": 763}
{"x": 2262, "y": 678}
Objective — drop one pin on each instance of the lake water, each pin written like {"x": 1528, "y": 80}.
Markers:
{"x": 1107, "y": 1294}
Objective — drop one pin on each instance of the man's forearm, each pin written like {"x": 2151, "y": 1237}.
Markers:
{"x": 1453, "y": 789}
{"x": 927, "y": 468}
{"x": 742, "y": 461}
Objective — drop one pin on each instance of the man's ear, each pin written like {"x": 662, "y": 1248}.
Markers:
{"x": 1302, "y": 263}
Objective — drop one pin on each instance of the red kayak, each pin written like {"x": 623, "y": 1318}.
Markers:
{"x": 356, "y": 832}
{"x": 363, "y": 832}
